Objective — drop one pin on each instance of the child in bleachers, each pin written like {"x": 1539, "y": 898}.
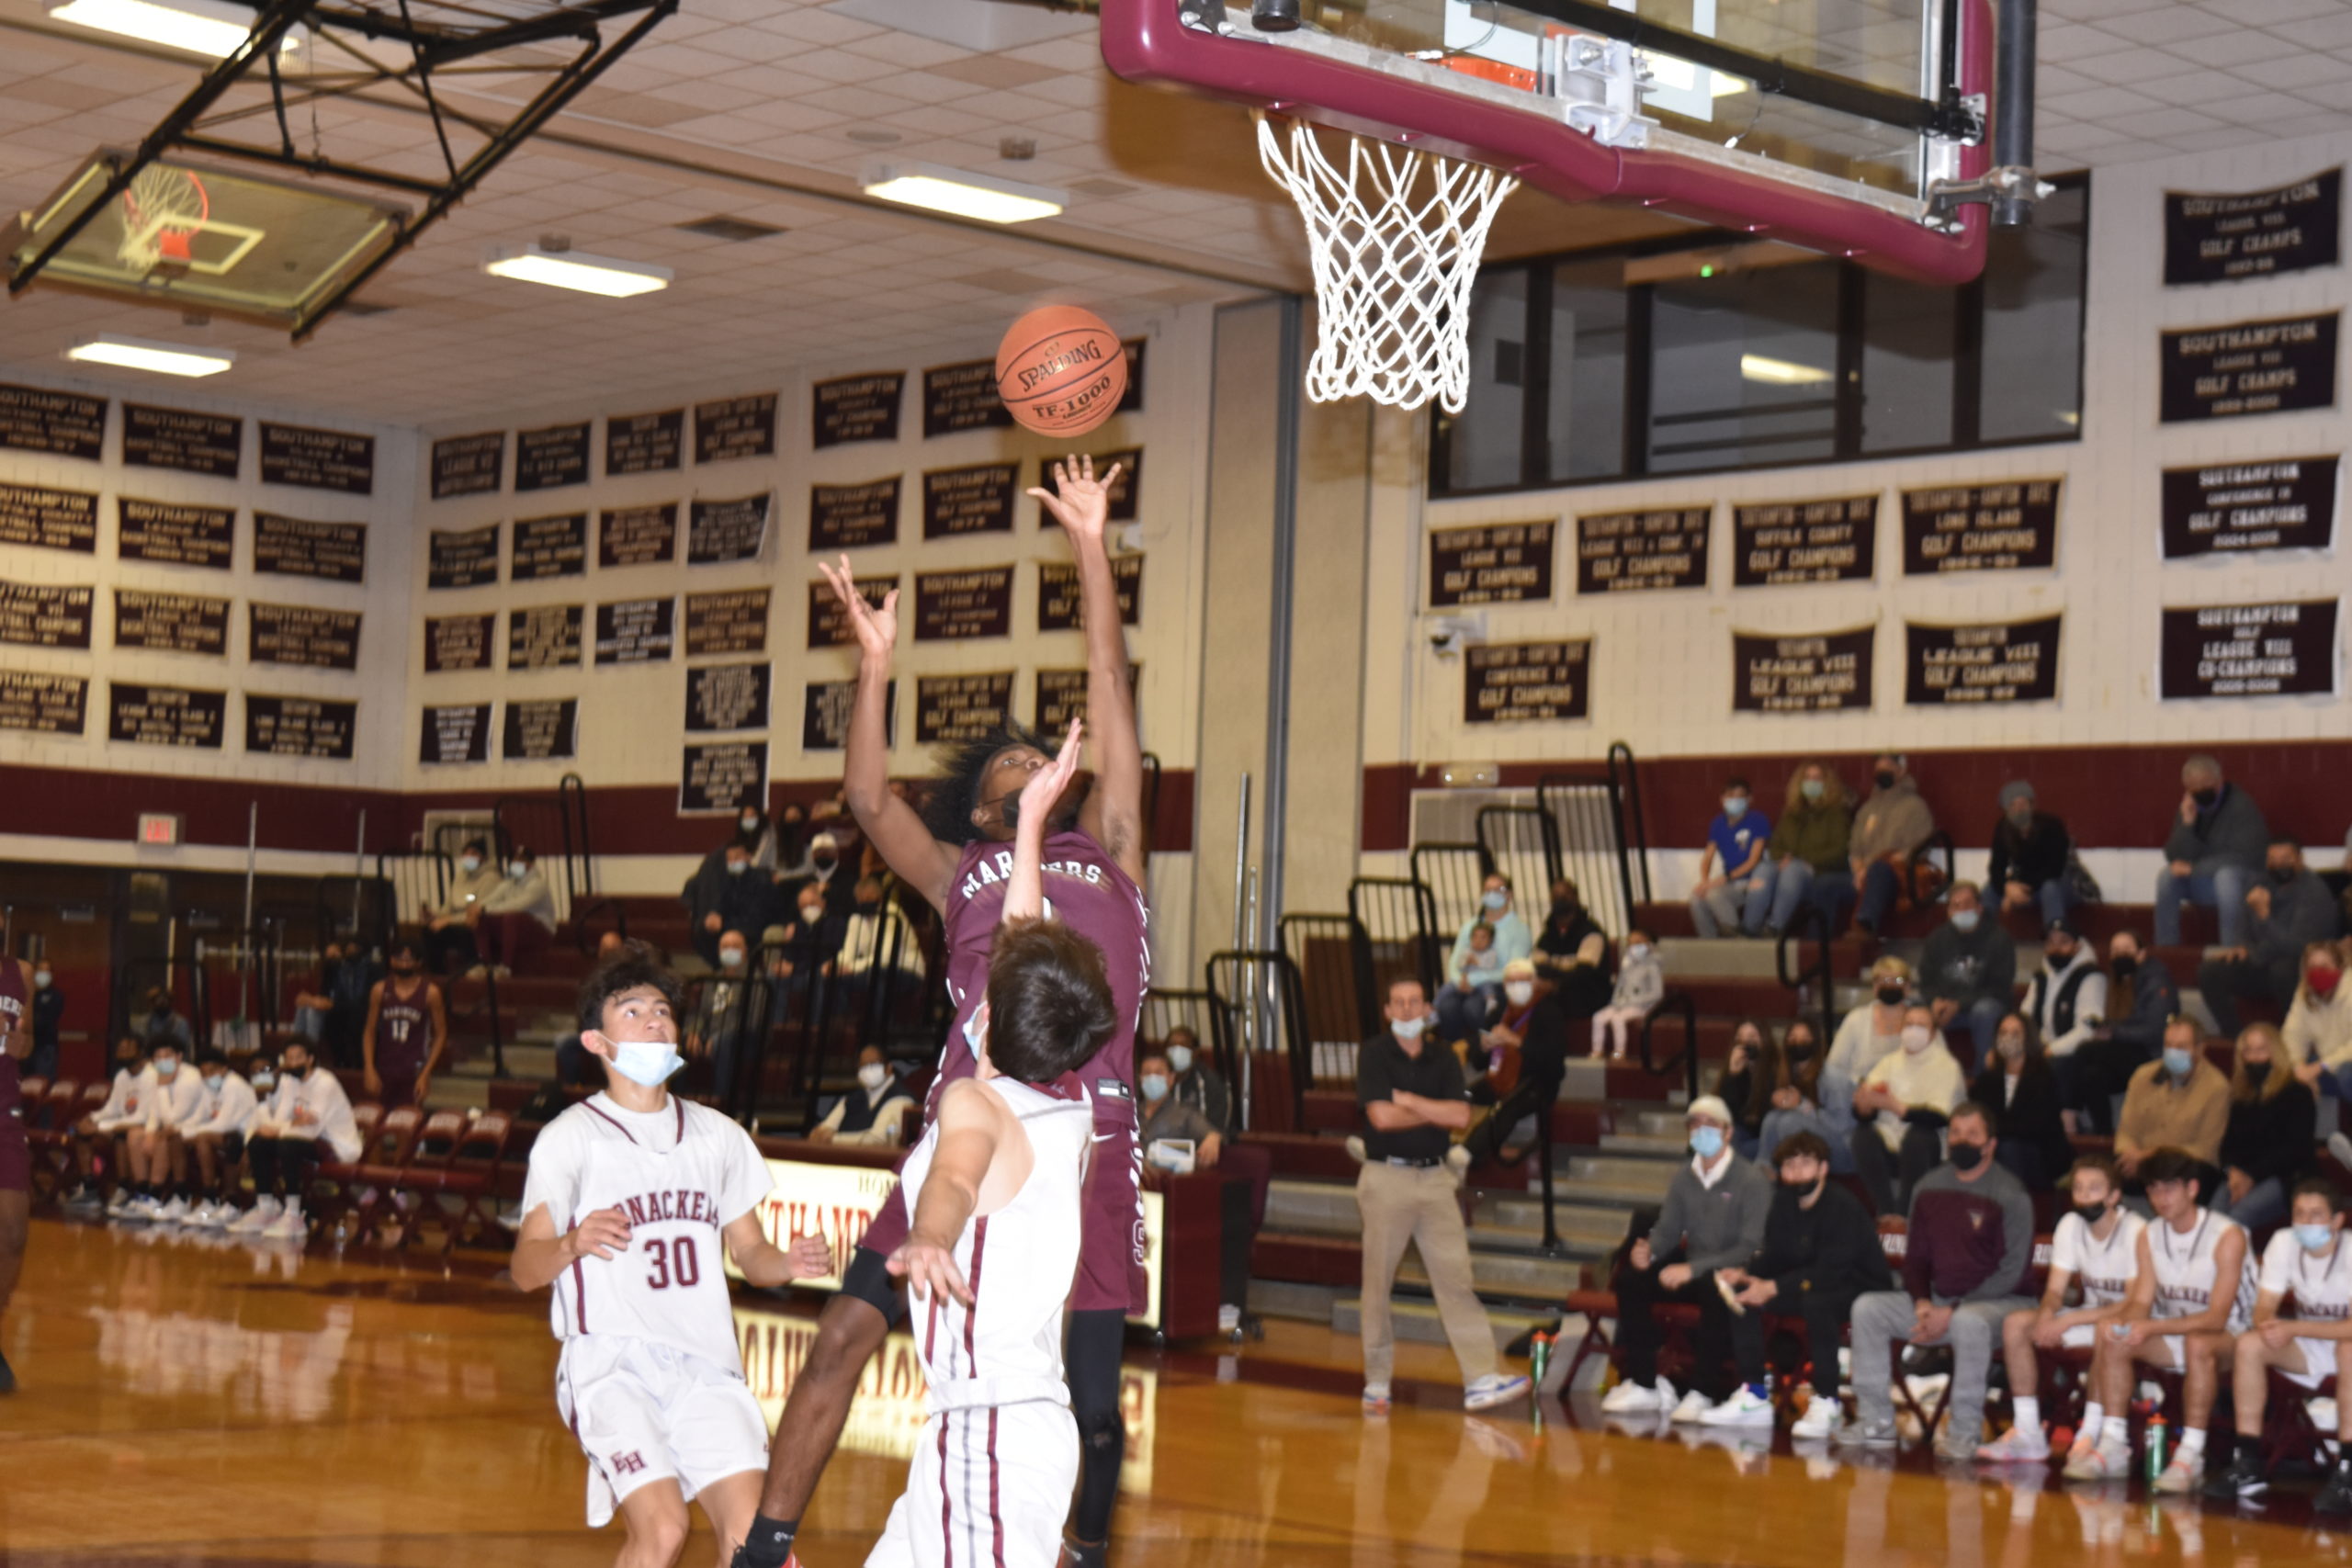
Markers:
{"x": 1640, "y": 981}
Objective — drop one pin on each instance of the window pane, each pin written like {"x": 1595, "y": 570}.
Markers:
{"x": 2033, "y": 325}
{"x": 1484, "y": 445}
{"x": 1907, "y": 336}
{"x": 1585, "y": 417}
{"x": 1743, "y": 368}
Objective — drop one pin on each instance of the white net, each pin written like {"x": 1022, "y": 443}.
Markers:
{"x": 1396, "y": 237}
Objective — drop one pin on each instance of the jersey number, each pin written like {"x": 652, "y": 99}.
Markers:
{"x": 674, "y": 1263}
{"x": 400, "y": 1031}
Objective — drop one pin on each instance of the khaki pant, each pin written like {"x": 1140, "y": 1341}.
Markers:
{"x": 1400, "y": 1204}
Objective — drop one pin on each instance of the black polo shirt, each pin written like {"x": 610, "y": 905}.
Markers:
{"x": 1382, "y": 1069}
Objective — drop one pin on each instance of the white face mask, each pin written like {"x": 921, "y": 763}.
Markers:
{"x": 751, "y": 824}
{"x": 1180, "y": 1058}
{"x": 1408, "y": 1028}
{"x": 646, "y": 1061}
{"x": 1518, "y": 992}
{"x": 874, "y": 1074}
{"x": 515, "y": 869}
{"x": 265, "y": 1080}
{"x": 738, "y": 867}
{"x": 1639, "y": 950}
{"x": 471, "y": 862}
{"x": 41, "y": 978}
{"x": 1916, "y": 1037}
{"x": 731, "y": 958}
{"x": 811, "y": 914}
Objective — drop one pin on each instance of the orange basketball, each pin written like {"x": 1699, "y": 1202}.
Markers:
{"x": 1060, "y": 370}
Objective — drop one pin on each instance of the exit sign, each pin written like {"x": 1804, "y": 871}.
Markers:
{"x": 159, "y": 828}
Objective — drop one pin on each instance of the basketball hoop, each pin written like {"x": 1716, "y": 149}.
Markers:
{"x": 1394, "y": 255}
{"x": 161, "y": 211}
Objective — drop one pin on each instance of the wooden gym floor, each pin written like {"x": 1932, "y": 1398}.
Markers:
{"x": 210, "y": 1405}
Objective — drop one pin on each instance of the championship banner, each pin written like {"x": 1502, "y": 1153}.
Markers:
{"x": 207, "y": 444}
{"x": 1061, "y": 601}
{"x": 635, "y": 631}
{"x": 730, "y": 621}
{"x": 1524, "y": 682}
{"x": 850, "y": 517}
{"x": 2288, "y": 503}
{"x": 2216, "y": 239}
{"x": 735, "y": 427}
{"x": 1801, "y": 672}
{"x": 459, "y": 642}
{"x": 42, "y": 704}
{"x": 2015, "y": 661}
{"x": 49, "y": 519}
{"x": 166, "y": 534}
{"x": 469, "y": 465}
{"x": 976, "y": 500}
{"x": 41, "y": 614}
{"x": 1619, "y": 552}
{"x": 320, "y": 729}
{"x": 727, "y": 697}
{"x": 455, "y": 735}
{"x": 550, "y": 547}
{"x": 289, "y": 546}
{"x": 645, "y": 442}
{"x": 541, "y": 730}
{"x": 171, "y": 623}
{"x": 544, "y": 637}
{"x": 950, "y": 709}
{"x": 722, "y": 531}
{"x": 857, "y": 408}
{"x": 318, "y": 459}
{"x": 165, "y": 716}
{"x": 2248, "y": 367}
{"x": 723, "y": 777}
{"x": 2008, "y": 527}
{"x": 2248, "y": 650}
{"x": 302, "y": 635}
{"x": 636, "y": 535}
{"x": 461, "y": 557}
{"x": 551, "y": 458}
{"x": 824, "y": 715}
{"x": 1782, "y": 542}
{"x": 1503, "y": 563}
{"x": 66, "y": 424}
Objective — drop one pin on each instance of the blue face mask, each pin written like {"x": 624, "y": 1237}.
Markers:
{"x": 1706, "y": 1142}
{"x": 2314, "y": 1238}
{"x": 1495, "y": 900}
{"x": 646, "y": 1062}
{"x": 1154, "y": 1086}
{"x": 2178, "y": 1061}
{"x": 1735, "y": 808}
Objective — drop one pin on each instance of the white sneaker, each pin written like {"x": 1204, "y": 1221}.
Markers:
{"x": 2184, "y": 1472}
{"x": 1743, "y": 1408}
{"x": 2018, "y": 1445}
{"x": 1495, "y": 1388}
{"x": 174, "y": 1212}
{"x": 119, "y": 1204}
{"x": 1638, "y": 1398}
{"x": 2103, "y": 1462}
{"x": 1819, "y": 1420}
{"x": 1354, "y": 1146}
{"x": 1694, "y": 1404}
{"x": 146, "y": 1211}
{"x": 288, "y": 1226}
{"x": 200, "y": 1215}
{"x": 265, "y": 1209}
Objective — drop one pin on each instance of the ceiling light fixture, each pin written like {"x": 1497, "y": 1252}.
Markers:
{"x": 200, "y": 27}
{"x": 142, "y": 354}
{"x": 1781, "y": 372}
{"x": 579, "y": 271}
{"x": 984, "y": 196}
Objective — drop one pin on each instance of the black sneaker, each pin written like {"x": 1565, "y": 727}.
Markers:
{"x": 2243, "y": 1479}
{"x": 2336, "y": 1497}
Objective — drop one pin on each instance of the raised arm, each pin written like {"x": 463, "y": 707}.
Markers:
{"x": 1025, "y": 894}
{"x": 1113, "y": 812}
{"x": 920, "y": 861}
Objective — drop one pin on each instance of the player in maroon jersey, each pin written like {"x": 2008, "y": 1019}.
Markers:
{"x": 957, "y": 854}
{"x": 408, "y": 1028}
{"x": 15, "y": 1152}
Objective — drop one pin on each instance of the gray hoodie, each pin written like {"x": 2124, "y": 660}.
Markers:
{"x": 1714, "y": 1227}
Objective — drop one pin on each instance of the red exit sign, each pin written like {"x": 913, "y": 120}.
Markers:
{"x": 159, "y": 828}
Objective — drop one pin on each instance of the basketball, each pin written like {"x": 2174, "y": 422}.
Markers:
{"x": 1060, "y": 370}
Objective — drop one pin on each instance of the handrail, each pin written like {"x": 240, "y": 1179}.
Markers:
{"x": 1627, "y": 788}
{"x": 1291, "y": 1023}
{"x": 1365, "y": 1008}
{"x": 1425, "y": 944}
{"x": 1925, "y": 855}
{"x": 1680, "y": 1004}
{"x": 1821, "y": 972}
{"x": 1547, "y": 834}
{"x": 571, "y": 800}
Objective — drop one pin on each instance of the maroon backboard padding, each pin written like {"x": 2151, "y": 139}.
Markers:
{"x": 1144, "y": 41}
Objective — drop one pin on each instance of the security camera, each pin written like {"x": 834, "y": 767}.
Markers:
{"x": 1449, "y": 633}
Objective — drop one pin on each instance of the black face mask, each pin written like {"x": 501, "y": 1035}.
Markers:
{"x": 2090, "y": 1214}
{"x": 867, "y": 905}
{"x": 2126, "y": 967}
{"x": 2058, "y": 959}
{"x": 2282, "y": 874}
{"x": 1892, "y": 995}
{"x": 2204, "y": 798}
{"x": 1564, "y": 909}
{"x": 2257, "y": 1073}
{"x": 1967, "y": 1156}
{"x": 1798, "y": 1053}
{"x": 822, "y": 862}
{"x": 1884, "y": 779}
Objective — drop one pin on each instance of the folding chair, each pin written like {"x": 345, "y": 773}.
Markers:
{"x": 413, "y": 1185}
{"x": 471, "y": 1177}
{"x": 380, "y": 1169}
{"x": 334, "y": 1179}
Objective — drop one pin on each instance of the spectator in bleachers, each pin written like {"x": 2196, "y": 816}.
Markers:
{"x": 1866, "y": 1036}
{"x": 98, "y": 1137}
{"x": 733, "y": 1004}
{"x": 1410, "y": 1098}
{"x": 1535, "y": 1024}
{"x": 2318, "y": 1030}
{"x": 1968, "y": 970}
{"x": 449, "y": 944}
{"x": 336, "y": 1014}
{"x": 2017, "y": 1086}
{"x": 1573, "y": 953}
{"x": 154, "y": 1153}
{"x": 1821, "y": 1252}
{"x": 1198, "y": 1083}
{"x": 1166, "y": 1117}
{"x": 2188, "y": 1299}
{"x": 826, "y": 873}
{"x": 164, "y": 1021}
{"x": 2212, "y": 854}
{"x": 1729, "y": 862}
{"x": 1970, "y": 1242}
{"x": 218, "y": 1137}
{"x": 1749, "y": 1074}
{"x": 2097, "y": 1244}
{"x": 804, "y": 948}
{"x": 308, "y": 1121}
{"x": 2031, "y": 851}
{"x": 874, "y": 1113}
{"x": 1473, "y": 992}
{"x": 722, "y": 896}
{"x": 518, "y": 915}
{"x": 879, "y": 947}
{"x": 2180, "y": 1100}
{"x": 1795, "y": 1102}
{"x": 1901, "y": 1110}
{"x": 2067, "y": 1001}
{"x": 2140, "y": 1002}
{"x": 48, "y": 1017}
{"x": 2267, "y": 1146}
{"x": 1640, "y": 981}
{"x": 1811, "y": 840}
{"x": 2309, "y": 1263}
{"x": 1892, "y": 823}
{"x": 2285, "y": 916}
{"x": 757, "y": 834}
{"x": 1712, "y": 1219}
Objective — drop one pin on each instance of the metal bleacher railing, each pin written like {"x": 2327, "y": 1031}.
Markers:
{"x": 1258, "y": 1015}
{"x": 1602, "y": 836}
{"x": 801, "y": 1032}
{"x": 1814, "y": 976}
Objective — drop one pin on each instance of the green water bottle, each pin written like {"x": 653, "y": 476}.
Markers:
{"x": 1539, "y": 1357}
{"x": 2155, "y": 1447}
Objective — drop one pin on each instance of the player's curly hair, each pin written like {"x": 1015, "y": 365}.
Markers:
{"x": 636, "y": 963}
{"x": 949, "y": 799}
{"x": 1050, "y": 1001}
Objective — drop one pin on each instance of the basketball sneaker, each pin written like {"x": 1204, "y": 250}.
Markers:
{"x": 119, "y": 1204}
{"x": 1630, "y": 1398}
{"x": 174, "y": 1212}
{"x": 265, "y": 1209}
{"x": 2182, "y": 1474}
{"x": 2336, "y": 1497}
{"x": 1819, "y": 1420}
{"x": 288, "y": 1226}
{"x": 2243, "y": 1477}
{"x": 2018, "y": 1445}
{"x": 1861, "y": 1433}
{"x": 2104, "y": 1461}
{"x": 1495, "y": 1388}
{"x": 1375, "y": 1399}
{"x": 1745, "y": 1407}
{"x": 1694, "y": 1404}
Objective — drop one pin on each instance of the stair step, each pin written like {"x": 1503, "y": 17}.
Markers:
{"x": 1633, "y": 1173}
{"x": 1418, "y": 1321}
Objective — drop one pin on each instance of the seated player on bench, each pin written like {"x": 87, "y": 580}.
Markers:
{"x": 2310, "y": 1262}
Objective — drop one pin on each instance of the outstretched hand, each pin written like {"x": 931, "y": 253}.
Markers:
{"x": 927, "y": 1267}
{"x": 1079, "y": 501}
{"x": 1046, "y": 785}
{"x": 878, "y": 630}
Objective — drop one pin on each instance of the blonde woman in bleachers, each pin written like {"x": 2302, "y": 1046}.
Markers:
{"x": 1814, "y": 831}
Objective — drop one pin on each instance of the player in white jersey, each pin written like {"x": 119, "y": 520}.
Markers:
{"x": 2095, "y": 1254}
{"x": 2311, "y": 1262}
{"x": 2189, "y": 1300}
{"x": 992, "y": 1248}
{"x": 630, "y": 1196}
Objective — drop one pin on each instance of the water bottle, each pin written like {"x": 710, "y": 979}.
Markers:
{"x": 1539, "y": 1357}
{"x": 2155, "y": 1447}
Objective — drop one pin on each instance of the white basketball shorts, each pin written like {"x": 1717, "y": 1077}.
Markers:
{"x": 989, "y": 1488}
{"x": 644, "y": 1411}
